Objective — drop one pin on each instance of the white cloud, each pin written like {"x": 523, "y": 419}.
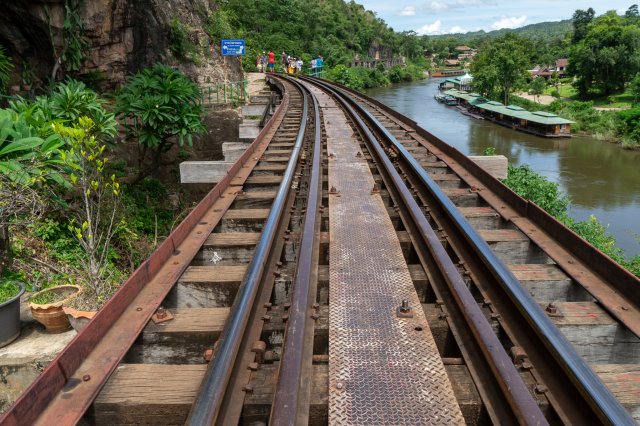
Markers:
{"x": 509, "y": 22}
{"x": 457, "y": 30}
{"x": 438, "y": 6}
{"x": 434, "y": 28}
{"x": 408, "y": 11}
{"x": 441, "y": 6}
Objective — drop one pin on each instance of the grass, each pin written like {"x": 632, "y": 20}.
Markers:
{"x": 50, "y": 295}
{"x": 8, "y": 290}
{"x": 619, "y": 100}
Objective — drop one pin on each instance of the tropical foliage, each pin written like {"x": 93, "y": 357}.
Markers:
{"x": 5, "y": 69}
{"x": 158, "y": 107}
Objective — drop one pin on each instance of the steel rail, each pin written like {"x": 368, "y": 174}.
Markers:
{"x": 598, "y": 396}
{"x": 66, "y": 388}
{"x": 620, "y": 296}
{"x": 522, "y": 403}
{"x": 207, "y": 405}
{"x": 286, "y": 405}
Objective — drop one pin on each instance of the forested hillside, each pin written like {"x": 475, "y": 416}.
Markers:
{"x": 541, "y": 30}
{"x": 332, "y": 28}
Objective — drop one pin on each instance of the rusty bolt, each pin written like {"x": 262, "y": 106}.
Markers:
{"x": 259, "y": 348}
{"x": 404, "y": 307}
{"x": 333, "y": 190}
{"x": 551, "y": 308}
{"x": 276, "y": 273}
{"x": 315, "y": 316}
{"x": 270, "y": 356}
{"x": 316, "y": 306}
{"x": 208, "y": 355}
{"x": 248, "y": 388}
{"x": 439, "y": 302}
{"x": 541, "y": 389}
{"x": 376, "y": 189}
{"x": 253, "y": 366}
{"x": 339, "y": 385}
{"x": 359, "y": 154}
{"x": 527, "y": 365}
{"x": 161, "y": 312}
{"x": 86, "y": 378}
{"x": 443, "y": 315}
{"x": 285, "y": 317}
{"x": 286, "y": 305}
{"x": 486, "y": 302}
{"x": 518, "y": 354}
{"x": 268, "y": 305}
{"x": 495, "y": 316}
{"x": 266, "y": 318}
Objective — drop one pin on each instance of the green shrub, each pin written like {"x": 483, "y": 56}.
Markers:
{"x": 159, "y": 106}
{"x": 179, "y": 43}
{"x": 5, "y": 70}
{"x": 535, "y": 187}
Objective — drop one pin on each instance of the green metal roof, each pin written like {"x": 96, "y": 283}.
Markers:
{"x": 540, "y": 117}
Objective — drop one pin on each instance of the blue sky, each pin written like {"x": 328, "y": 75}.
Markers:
{"x": 455, "y": 16}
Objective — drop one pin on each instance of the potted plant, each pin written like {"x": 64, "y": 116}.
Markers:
{"x": 46, "y": 306}
{"x": 79, "y": 312}
{"x": 10, "y": 292}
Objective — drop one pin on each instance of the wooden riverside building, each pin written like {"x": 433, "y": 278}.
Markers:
{"x": 539, "y": 123}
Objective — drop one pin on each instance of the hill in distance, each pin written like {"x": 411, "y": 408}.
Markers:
{"x": 541, "y": 30}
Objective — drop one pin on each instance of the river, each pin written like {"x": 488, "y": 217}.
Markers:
{"x": 601, "y": 178}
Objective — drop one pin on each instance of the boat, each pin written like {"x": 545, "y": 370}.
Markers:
{"x": 439, "y": 97}
{"x": 450, "y": 100}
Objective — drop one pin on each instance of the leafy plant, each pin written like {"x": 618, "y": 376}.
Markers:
{"x": 159, "y": 106}
{"x": 535, "y": 187}
{"x": 5, "y": 69}
{"x": 94, "y": 223}
{"x": 179, "y": 43}
{"x": 8, "y": 290}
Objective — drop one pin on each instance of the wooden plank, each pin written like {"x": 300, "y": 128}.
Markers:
{"x": 214, "y": 274}
{"x": 182, "y": 340}
{"x": 271, "y": 168}
{"x": 500, "y": 235}
{"x": 232, "y": 239}
{"x": 148, "y": 394}
{"x": 512, "y": 246}
{"x": 623, "y": 380}
{"x": 597, "y": 336}
{"x": 547, "y": 283}
{"x": 264, "y": 180}
{"x": 246, "y": 214}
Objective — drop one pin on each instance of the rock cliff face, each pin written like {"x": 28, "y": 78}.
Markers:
{"x": 123, "y": 36}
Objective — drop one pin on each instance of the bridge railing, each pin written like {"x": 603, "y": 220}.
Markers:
{"x": 223, "y": 93}
{"x": 316, "y": 72}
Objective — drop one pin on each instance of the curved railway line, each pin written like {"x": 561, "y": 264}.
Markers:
{"x": 352, "y": 268}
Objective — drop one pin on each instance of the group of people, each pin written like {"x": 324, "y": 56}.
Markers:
{"x": 266, "y": 63}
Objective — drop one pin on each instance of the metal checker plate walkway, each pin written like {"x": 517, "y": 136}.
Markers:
{"x": 382, "y": 369}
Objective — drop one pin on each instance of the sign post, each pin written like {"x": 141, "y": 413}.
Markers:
{"x": 231, "y": 48}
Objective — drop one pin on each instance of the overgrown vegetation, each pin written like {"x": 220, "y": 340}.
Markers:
{"x": 5, "y": 70}
{"x": 159, "y": 107}
{"x": 72, "y": 220}
{"x": 8, "y": 290}
{"x": 535, "y": 187}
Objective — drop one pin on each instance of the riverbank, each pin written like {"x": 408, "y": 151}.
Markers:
{"x": 359, "y": 78}
{"x": 600, "y": 178}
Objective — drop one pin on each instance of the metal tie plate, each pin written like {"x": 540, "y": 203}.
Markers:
{"x": 384, "y": 367}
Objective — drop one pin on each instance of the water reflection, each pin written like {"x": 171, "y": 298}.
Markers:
{"x": 601, "y": 178}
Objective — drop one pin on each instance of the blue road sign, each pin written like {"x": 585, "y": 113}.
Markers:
{"x": 233, "y": 48}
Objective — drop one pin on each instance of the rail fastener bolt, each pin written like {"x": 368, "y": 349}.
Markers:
{"x": 161, "y": 315}
{"x": 208, "y": 355}
{"x": 259, "y": 348}
{"x": 404, "y": 310}
{"x": 518, "y": 354}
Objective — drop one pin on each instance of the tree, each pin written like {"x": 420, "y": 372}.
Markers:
{"x": 537, "y": 87}
{"x": 159, "y": 106}
{"x": 5, "y": 70}
{"x": 607, "y": 57}
{"x": 94, "y": 223}
{"x": 581, "y": 20}
{"x": 634, "y": 88}
{"x": 501, "y": 66}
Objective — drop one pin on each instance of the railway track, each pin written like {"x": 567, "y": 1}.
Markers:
{"x": 352, "y": 268}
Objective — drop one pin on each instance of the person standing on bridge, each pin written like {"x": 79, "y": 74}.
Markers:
{"x": 272, "y": 60}
{"x": 319, "y": 63}
{"x": 284, "y": 59}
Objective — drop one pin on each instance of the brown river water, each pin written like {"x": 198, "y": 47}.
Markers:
{"x": 601, "y": 178}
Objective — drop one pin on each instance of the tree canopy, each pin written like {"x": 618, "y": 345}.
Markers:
{"x": 501, "y": 66}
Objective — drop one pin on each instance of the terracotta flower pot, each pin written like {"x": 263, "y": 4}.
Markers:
{"x": 51, "y": 315}
{"x": 78, "y": 319}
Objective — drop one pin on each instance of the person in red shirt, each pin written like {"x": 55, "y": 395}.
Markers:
{"x": 272, "y": 60}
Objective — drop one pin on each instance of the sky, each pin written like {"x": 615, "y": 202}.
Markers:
{"x": 429, "y": 17}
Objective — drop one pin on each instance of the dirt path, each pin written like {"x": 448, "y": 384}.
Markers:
{"x": 255, "y": 83}
{"x": 542, "y": 99}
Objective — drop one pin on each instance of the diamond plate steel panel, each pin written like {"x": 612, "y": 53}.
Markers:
{"x": 382, "y": 369}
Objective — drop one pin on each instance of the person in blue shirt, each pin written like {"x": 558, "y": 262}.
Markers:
{"x": 319, "y": 63}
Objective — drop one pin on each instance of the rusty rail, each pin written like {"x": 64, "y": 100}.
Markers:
{"x": 524, "y": 408}
{"x": 67, "y": 387}
{"x": 586, "y": 383}
{"x": 209, "y": 400}
{"x": 288, "y": 396}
